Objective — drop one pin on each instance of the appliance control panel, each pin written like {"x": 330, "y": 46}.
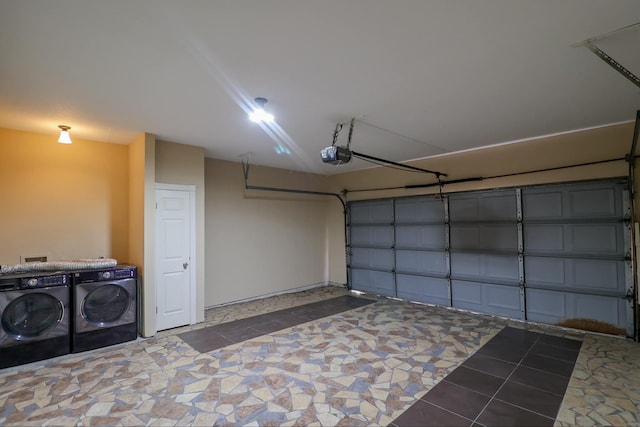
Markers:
{"x": 123, "y": 272}
{"x": 44, "y": 281}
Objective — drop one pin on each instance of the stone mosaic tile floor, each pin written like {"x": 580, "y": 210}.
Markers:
{"x": 364, "y": 366}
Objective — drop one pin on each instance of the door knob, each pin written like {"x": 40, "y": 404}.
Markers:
{"x": 185, "y": 265}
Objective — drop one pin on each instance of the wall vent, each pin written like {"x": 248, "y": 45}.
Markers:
{"x": 35, "y": 259}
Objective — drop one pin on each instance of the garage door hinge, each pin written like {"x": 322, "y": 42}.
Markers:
{"x": 156, "y": 310}
{"x": 630, "y": 296}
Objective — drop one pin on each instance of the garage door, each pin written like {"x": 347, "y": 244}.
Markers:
{"x": 577, "y": 258}
{"x": 543, "y": 253}
{"x": 371, "y": 236}
{"x": 422, "y": 265}
{"x": 485, "y": 273}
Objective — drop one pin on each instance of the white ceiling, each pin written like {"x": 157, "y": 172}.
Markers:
{"x": 421, "y": 77}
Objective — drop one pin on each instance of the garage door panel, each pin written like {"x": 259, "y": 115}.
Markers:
{"x": 594, "y": 203}
{"x": 498, "y": 207}
{"x": 575, "y": 201}
{"x": 372, "y": 258}
{"x": 607, "y": 309}
{"x": 545, "y": 270}
{"x": 546, "y": 306}
{"x": 552, "y": 307}
{"x": 464, "y": 209}
{"x": 603, "y": 239}
{"x": 372, "y": 236}
{"x": 377, "y": 282}
{"x": 543, "y": 237}
{"x": 484, "y": 237}
{"x": 424, "y": 262}
{"x": 378, "y": 212}
{"x": 542, "y": 205}
{"x": 478, "y": 265}
{"x": 599, "y": 274}
{"x": 597, "y": 238}
{"x": 424, "y": 289}
{"x": 421, "y": 237}
{"x": 487, "y": 298}
{"x": 419, "y": 210}
{"x": 494, "y": 206}
{"x": 466, "y": 294}
{"x": 564, "y": 273}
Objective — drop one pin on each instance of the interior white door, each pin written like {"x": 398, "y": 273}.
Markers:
{"x": 173, "y": 284}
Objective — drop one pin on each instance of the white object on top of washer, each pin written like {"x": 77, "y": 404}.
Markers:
{"x": 80, "y": 264}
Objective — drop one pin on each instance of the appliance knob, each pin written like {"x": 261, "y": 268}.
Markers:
{"x": 106, "y": 275}
{"x": 32, "y": 282}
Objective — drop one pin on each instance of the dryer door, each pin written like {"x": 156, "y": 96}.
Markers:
{"x": 31, "y": 315}
{"x": 104, "y": 305}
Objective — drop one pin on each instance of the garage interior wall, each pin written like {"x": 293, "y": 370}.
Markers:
{"x": 581, "y": 147}
{"x": 255, "y": 243}
{"x": 263, "y": 243}
{"x": 62, "y": 201}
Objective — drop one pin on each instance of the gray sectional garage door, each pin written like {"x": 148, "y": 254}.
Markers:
{"x": 372, "y": 254}
{"x": 576, "y": 249}
{"x": 485, "y": 273}
{"x": 543, "y": 253}
{"x": 421, "y": 258}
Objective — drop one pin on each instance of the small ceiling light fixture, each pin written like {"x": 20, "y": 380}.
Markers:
{"x": 259, "y": 115}
{"x": 64, "y": 134}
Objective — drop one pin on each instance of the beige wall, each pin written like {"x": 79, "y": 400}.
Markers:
{"x": 184, "y": 164}
{"x": 260, "y": 243}
{"x": 142, "y": 237}
{"x": 136, "y": 202}
{"x": 336, "y": 251}
{"x": 62, "y": 201}
{"x": 562, "y": 150}
{"x": 551, "y": 152}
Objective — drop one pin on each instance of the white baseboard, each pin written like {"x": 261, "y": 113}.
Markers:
{"x": 288, "y": 291}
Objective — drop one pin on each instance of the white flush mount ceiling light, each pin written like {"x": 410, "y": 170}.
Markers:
{"x": 64, "y": 137}
{"x": 258, "y": 115}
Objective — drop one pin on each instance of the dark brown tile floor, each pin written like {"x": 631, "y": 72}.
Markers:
{"x": 518, "y": 378}
{"x": 215, "y": 337}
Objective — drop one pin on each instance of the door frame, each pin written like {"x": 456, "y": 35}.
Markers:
{"x": 191, "y": 190}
